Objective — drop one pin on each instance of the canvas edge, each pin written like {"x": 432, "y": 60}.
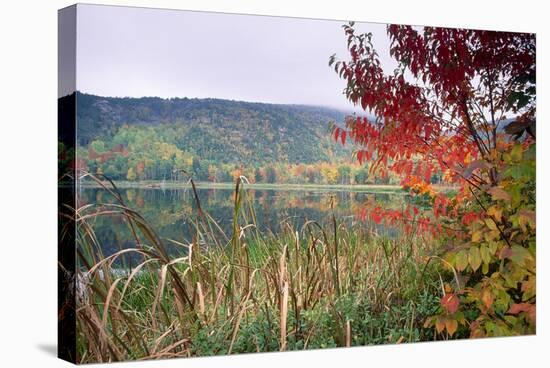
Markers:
{"x": 66, "y": 251}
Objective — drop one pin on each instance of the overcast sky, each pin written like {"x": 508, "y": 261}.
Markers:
{"x": 137, "y": 52}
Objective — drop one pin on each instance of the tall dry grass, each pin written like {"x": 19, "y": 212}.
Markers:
{"x": 317, "y": 286}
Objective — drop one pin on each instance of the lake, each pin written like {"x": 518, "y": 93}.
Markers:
{"x": 169, "y": 211}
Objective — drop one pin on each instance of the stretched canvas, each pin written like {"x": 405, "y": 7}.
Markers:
{"x": 242, "y": 184}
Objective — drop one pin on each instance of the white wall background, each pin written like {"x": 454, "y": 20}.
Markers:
{"x": 28, "y": 167}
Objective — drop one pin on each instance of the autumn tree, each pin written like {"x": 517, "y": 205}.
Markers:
{"x": 461, "y": 102}
{"x": 131, "y": 175}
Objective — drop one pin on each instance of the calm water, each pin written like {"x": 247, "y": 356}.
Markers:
{"x": 169, "y": 211}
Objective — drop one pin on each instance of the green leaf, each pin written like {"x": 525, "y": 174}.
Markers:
{"x": 520, "y": 255}
{"x": 461, "y": 260}
{"x": 474, "y": 258}
{"x": 485, "y": 254}
{"x": 493, "y": 247}
{"x": 516, "y": 152}
{"x": 516, "y": 197}
{"x": 520, "y": 171}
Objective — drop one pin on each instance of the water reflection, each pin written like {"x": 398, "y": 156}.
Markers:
{"x": 170, "y": 211}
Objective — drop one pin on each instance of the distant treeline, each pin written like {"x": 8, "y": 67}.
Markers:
{"x": 146, "y": 156}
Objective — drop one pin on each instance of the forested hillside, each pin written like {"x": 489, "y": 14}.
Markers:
{"x": 216, "y": 140}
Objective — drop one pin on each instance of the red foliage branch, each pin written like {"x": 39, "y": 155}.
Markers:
{"x": 449, "y": 117}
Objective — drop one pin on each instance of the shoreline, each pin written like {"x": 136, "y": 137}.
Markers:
{"x": 155, "y": 184}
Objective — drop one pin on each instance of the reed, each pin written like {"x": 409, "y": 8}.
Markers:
{"x": 322, "y": 285}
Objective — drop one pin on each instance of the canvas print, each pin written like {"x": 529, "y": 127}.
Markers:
{"x": 243, "y": 184}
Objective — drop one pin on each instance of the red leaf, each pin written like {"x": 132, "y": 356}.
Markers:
{"x": 499, "y": 193}
{"x": 519, "y": 307}
{"x": 530, "y": 309}
{"x": 428, "y": 175}
{"x": 469, "y": 217}
{"x": 360, "y": 157}
{"x": 505, "y": 252}
{"x": 428, "y": 132}
{"x": 450, "y": 302}
{"x": 376, "y": 216}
